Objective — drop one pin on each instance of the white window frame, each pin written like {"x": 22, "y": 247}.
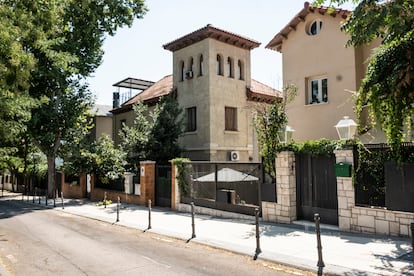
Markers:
{"x": 318, "y": 24}
{"x": 318, "y": 97}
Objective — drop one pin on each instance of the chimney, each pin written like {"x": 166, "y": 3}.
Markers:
{"x": 115, "y": 100}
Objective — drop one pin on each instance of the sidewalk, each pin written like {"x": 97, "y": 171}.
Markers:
{"x": 294, "y": 245}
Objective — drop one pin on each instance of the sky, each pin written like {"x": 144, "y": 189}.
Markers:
{"x": 137, "y": 52}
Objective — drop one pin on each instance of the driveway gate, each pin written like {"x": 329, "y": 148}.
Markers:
{"x": 316, "y": 188}
{"x": 163, "y": 186}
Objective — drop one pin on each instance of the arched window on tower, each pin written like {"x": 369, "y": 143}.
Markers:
{"x": 182, "y": 71}
{"x": 219, "y": 65}
{"x": 200, "y": 65}
{"x": 240, "y": 70}
{"x": 230, "y": 66}
{"x": 190, "y": 64}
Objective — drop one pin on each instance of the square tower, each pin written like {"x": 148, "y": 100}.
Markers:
{"x": 211, "y": 74}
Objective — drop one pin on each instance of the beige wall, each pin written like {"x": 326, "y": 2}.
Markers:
{"x": 210, "y": 94}
{"x": 103, "y": 126}
{"x": 324, "y": 54}
{"x": 194, "y": 93}
{"x": 117, "y": 123}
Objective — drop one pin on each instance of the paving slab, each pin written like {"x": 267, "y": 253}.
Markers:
{"x": 294, "y": 245}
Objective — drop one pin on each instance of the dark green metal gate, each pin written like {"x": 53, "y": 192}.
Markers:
{"x": 163, "y": 186}
{"x": 316, "y": 188}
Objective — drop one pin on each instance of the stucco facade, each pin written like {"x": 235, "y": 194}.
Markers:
{"x": 210, "y": 92}
{"x": 102, "y": 122}
{"x": 212, "y": 83}
{"x": 316, "y": 60}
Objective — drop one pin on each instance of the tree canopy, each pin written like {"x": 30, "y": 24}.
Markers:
{"x": 269, "y": 122}
{"x": 48, "y": 49}
{"x": 388, "y": 87}
{"x": 154, "y": 134}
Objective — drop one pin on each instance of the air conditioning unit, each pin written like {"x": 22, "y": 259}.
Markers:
{"x": 189, "y": 74}
{"x": 234, "y": 156}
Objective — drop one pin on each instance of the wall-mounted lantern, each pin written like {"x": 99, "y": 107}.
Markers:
{"x": 285, "y": 135}
{"x": 346, "y": 128}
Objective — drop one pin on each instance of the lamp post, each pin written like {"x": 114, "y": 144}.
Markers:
{"x": 346, "y": 128}
{"x": 285, "y": 134}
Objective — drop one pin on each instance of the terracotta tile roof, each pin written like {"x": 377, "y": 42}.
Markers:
{"x": 150, "y": 95}
{"x": 257, "y": 92}
{"x": 211, "y": 32}
{"x": 277, "y": 41}
{"x": 262, "y": 93}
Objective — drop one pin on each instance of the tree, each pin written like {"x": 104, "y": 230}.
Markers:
{"x": 101, "y": 158}
{"x": 108, "y": 161}
{"x": 388, "y": 87}
{"x": 61, "y": 44}
{"x": 134, "y": 140}
{"x": 67, "y": 122}
{"x": 163, "y": 142}
{"x": 269, "y": 120}
{"x": 16, "y": 65}
{"x": 154, "y": 135}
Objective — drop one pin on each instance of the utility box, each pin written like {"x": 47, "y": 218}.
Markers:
{"x": 128, "y": 184}
{"x": 343, "y": 169}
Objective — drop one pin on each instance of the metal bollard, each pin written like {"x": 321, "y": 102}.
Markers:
{"x": 46, "y": 198}
{"x": 320, "y": 263}
{"x": 54, "y": 198}
{"x": 412, "y": 238}
{"x": 117, "y": 209}
{"x": 104, "y": 200}
{"x": 38, "y": 196}
{"x": 258, "y": 250}
{"x": 193, "y": 235}
{"x": 149, "y": 213}
{"x": 33, "y": 194}
{"x": 61, "y": 196}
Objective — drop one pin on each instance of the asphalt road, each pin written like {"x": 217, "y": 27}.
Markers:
{"x": 36, "y": 241}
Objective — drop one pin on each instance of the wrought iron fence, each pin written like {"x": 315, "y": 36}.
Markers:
{"x": 226, "y": 186}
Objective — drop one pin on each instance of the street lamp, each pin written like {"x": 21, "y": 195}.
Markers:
{"x": 285, "y": 134}
{"x": 346, "y": 128}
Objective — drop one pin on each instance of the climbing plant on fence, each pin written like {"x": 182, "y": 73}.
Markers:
{"x": 182, "y": 176}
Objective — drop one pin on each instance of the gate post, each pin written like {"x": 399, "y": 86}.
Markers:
{"x": 284, "y": 210}
{"x": 175, "y": 192}
{"x": 346, "y": 192}
{"x": 147, "y": 181}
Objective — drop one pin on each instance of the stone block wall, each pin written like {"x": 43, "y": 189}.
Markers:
{"x": 284, "y": 210}
{"x": 381, "y": 221}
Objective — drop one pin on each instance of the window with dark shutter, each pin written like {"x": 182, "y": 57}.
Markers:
{"x": 191, "y": 119}
{"x": 230, "y": 118}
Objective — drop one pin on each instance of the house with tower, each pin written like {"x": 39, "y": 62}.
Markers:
{"x": 211, "y": 78}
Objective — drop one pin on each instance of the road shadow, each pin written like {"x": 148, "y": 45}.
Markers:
{"x": 13, "y": 207}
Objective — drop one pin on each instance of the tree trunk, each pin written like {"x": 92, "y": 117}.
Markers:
{"x": 51, "y": 172}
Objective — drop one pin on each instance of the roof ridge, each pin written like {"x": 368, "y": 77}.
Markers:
{"x": 209, "y": 31}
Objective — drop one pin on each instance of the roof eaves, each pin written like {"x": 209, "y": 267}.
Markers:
{"x": 277, "y": 41}
{"x": 210, "y": 31}
{"x": 259, "y": 97}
